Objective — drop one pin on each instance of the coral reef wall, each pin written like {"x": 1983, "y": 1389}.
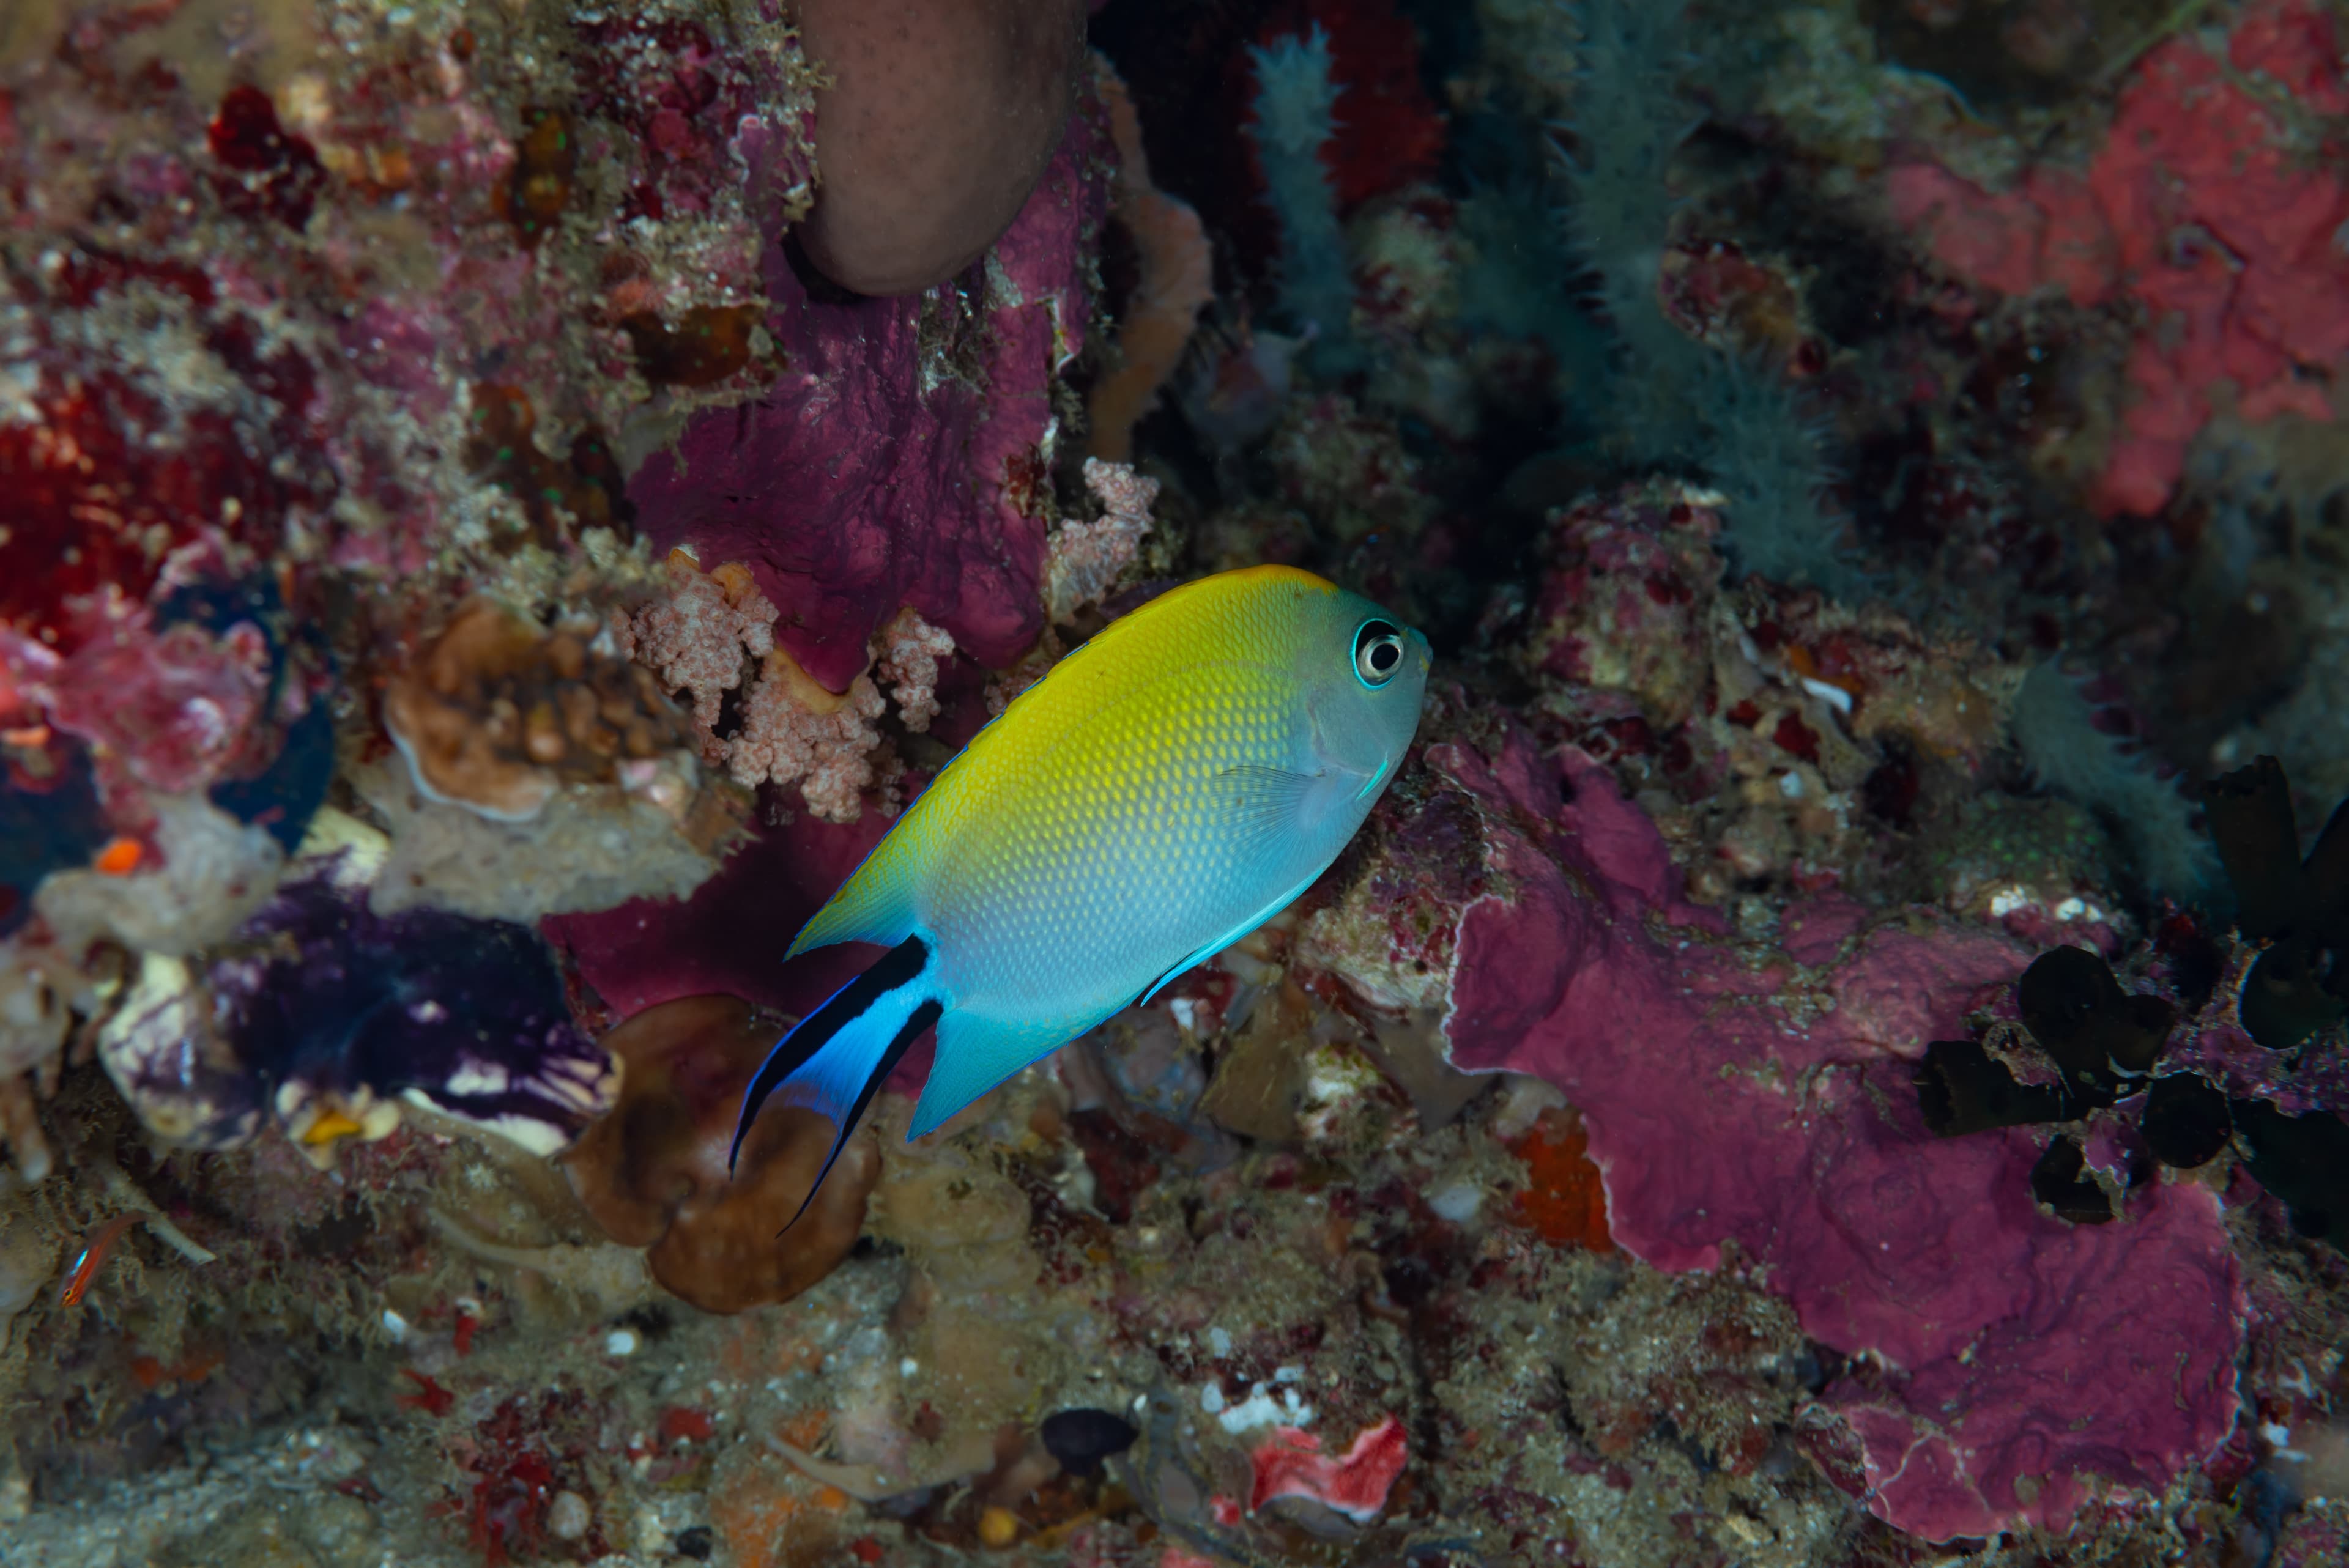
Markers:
{"x": 1830, "y": 1049}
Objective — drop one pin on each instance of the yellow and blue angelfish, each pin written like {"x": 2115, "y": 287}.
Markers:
{"x": 1167, "y": 789}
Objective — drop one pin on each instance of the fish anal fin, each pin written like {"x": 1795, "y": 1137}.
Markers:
{"x": 975, "y": 1053}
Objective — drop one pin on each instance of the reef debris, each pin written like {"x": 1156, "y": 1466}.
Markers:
{"x": 320, "y": 1016}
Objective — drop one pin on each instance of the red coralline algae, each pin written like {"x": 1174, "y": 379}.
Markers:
{"x": 266, "y": 170}
{"x": 880, "y": 470}
{"x": 682, "y": 1423}
{"x": 110, "y": 481}
{"x": 1622, "y": 604}
{"x": 679, "y": 98}
{"x": 513, "y": 1480}
{"x": 2208, "y": 211}
{"x": 1716, "y": 293}
{"x": 427, "y": 1397}
{"x": 1761, "y": 1103}
{"x": 1291, "y": 1463}
{"x": 176, "y": 705}
{"x": 728, "y": 937}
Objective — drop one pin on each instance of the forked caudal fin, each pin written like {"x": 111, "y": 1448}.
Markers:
{"x": 838, "y": 1056}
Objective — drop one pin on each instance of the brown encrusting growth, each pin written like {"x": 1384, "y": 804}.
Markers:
{"x": 495, "y": 715}
{"x": 1563, "y": 1200}
{"x": 653, "y": 1172}
{"x": 707, "y": 345}
{"x": 1176, "y": 281}
{"x": 546, "y": 160}
{"x": 502, "y": 447}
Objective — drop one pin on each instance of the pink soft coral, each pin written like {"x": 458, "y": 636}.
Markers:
{"x": 699, "y": 634}
{"x": 1083, "y": 559}
{"x": 909, "y": 649}
{"x": 794, "y": 731}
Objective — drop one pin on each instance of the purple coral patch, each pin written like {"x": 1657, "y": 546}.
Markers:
{"x": 1746, "y": 1101}
{"x": 874, "y": 474}
{"x": 730, "y": 936}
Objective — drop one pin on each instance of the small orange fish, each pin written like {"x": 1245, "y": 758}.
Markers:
{"x": 120, "y": 858}
{"x": 92, "y": 1257}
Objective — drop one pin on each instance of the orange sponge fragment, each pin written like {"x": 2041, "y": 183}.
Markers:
{"x": 1563, "y": 1202}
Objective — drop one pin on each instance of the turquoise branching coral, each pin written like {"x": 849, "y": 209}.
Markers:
{"x": 1295, "y": 96}
{"x": 1676, "y": 402}
{"x": 2053, "y": 726}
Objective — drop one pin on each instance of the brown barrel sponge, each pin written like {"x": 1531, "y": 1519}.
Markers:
{"x": 653, "y": 1169}
{"x": 939, "y": 120}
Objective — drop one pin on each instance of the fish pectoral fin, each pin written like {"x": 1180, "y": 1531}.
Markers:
{"x": 975, "y": 1053}
{"x": 836, "y": 1059}
{"x": 1264, "y": 808}
{"x": 1258, "y": 805}
{"x": 1227, "y": 938}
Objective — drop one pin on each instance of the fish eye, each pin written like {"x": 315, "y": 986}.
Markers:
{"x": 1378, "y": 653}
